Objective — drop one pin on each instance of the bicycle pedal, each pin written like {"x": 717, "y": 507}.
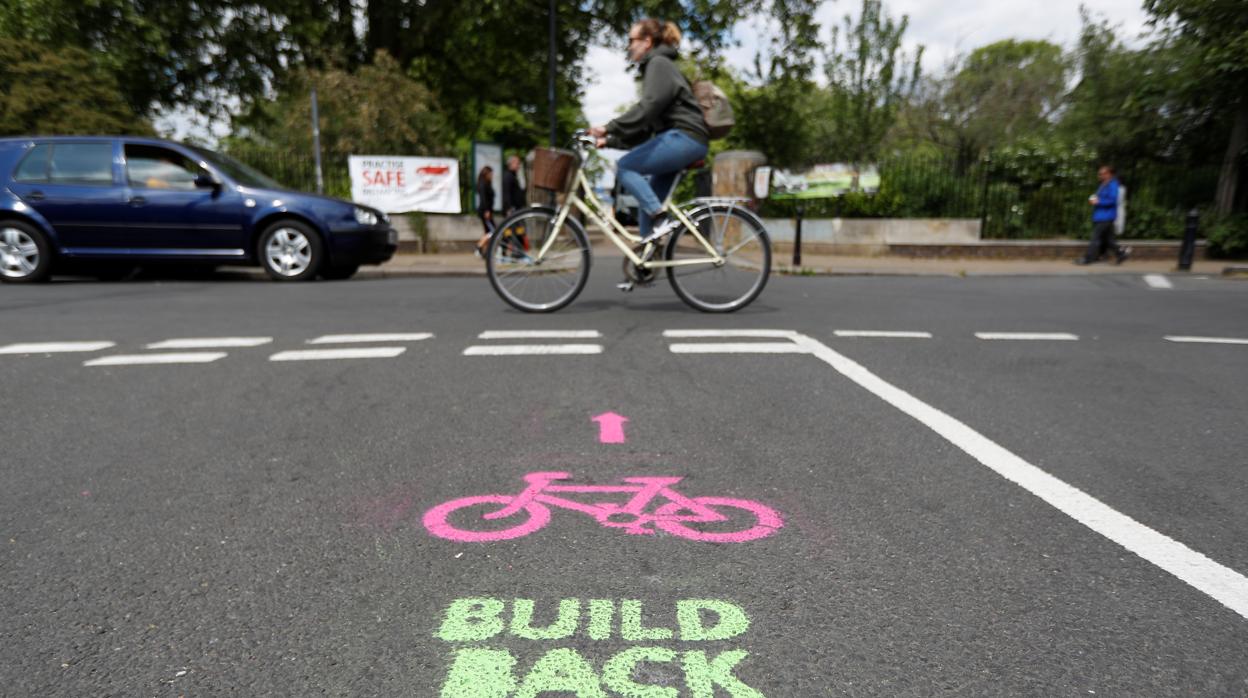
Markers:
{"x": 626, "y": 287}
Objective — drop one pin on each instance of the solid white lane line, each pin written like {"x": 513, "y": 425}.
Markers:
{"x": 540, "y": 334}
{"x": 1157, "y": 281}
{"x": 1206, "y": 340}
{"x": 1223, "y": 584}
{"x": 332, "y": 354}
{"x": 211, "y": 343}
{"x": 54, "y": 347}
{"x": 365, "y": 338}
{"x": 692, "y": 334}
{"x": 531, "y": 349}
{"x": 197, "y": 357}
{"x": 883, "y": 333}
{"x": 738, "y": 348}
{"x": 1030, "y": 336}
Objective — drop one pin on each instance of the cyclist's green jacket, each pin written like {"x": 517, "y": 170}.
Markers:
{"x": 667, "y": 102}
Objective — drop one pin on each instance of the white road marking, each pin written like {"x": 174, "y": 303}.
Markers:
{"x": 333, "y": 354}
{"x": 197, "y": 357}
{"x": 739, "y": 348}
{"x": 366, "y": 338}
{"x": 1030, "y": 336}
{"x": 54, "y": 347}
{"x": 211, "y": 343}
{"x": 887, "y": 334}
{"x": 1206, "y": 340}
{"x": 531, "y": 349}
{"x": 540, "y": 334}
{"x": 692, "y": 334}
{"x": 1157, "y": 281}
{"x": 1223, "y": 584}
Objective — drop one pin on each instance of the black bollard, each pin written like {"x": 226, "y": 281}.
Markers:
{"x": 797, "y": 237}
{"x": 1188, "y": 249}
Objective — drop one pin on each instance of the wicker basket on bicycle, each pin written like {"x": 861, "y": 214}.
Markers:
{"x": 554, "y": 169}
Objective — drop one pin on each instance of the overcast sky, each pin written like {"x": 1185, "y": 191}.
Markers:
{"x": 945, "y": 29}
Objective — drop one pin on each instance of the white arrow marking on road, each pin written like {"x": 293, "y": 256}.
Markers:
{"x": 201, "y": 357}
{"x": 55, "y": 347}
{"x": 1206, "y": 340}
{"x": 365, "y": 338}
{"x": 532, "y": 349}
{"x": 211, "y": 343}
{"x": 334, "y": 354}
{"x": 884, "y": 333}
{"x": 1157, "y": 281}
{"x": 1030, "y": 336}
{"x": 1223, "y": 584}
{"x": 540, "y": 334}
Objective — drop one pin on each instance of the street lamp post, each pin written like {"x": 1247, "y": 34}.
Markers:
{"x": 550, "y": 85}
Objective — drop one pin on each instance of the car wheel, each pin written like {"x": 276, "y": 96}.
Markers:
{"x": 339, "y": 273}
{"x": 25, "y": 255}
{"x": 290, "y": 251}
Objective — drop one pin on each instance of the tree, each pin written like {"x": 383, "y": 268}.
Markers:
{"x": 1213, "y": 37}
{"x": 59, "y": 91}
{"x": 994, "y": 95}
{"x": 869, "y": 79}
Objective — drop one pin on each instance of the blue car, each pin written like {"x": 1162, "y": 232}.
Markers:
{"x": 121, "y": 201}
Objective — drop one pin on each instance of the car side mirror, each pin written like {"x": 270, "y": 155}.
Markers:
{"x": 206, "y": 181}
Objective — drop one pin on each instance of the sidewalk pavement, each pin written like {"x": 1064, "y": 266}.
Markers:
{"x": 466, "y": 264}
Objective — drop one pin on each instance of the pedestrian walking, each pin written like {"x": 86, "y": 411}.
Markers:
{"x": 666, "y": 129}
{"x": 1104, "y": 211}
{"x": 514, "y": 200}
{"x": 485, "y": 207}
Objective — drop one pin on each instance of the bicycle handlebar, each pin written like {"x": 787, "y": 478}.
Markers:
{"x": 581, "y": 137}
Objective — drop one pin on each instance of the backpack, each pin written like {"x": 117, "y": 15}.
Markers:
{"x": 716, "y": 110}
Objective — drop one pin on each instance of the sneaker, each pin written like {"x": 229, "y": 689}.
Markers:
{"x": 662, "y": 225}
{"x": 1124, "y": 253}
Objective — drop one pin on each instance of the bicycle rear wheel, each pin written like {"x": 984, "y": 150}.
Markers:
{"x": 524, "y": 276}
{"x": 740, "y": 239}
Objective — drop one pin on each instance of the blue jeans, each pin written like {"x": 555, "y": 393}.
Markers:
{"x": 649, "y": 170}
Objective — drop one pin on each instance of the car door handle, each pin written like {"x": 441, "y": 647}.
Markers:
{"x": 35, "y": 196}
{"x": 137, "y": 201}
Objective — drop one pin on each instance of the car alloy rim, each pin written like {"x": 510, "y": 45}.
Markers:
{"x": 19, "y": 255}
{"x": 289, "y": 252}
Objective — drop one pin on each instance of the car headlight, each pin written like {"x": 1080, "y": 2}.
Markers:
{"x": 364, "y": 216}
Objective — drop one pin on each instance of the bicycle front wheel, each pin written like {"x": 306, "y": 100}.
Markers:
{"x": 534, "y": 267}
{"x": 741, "y": 242}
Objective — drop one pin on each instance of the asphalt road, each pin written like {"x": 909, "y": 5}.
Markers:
{"x": 250, "y": 527}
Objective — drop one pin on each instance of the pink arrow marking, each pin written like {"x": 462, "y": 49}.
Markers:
{"x": 610, "y": 427}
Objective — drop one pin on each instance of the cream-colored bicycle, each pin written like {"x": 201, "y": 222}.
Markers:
{"x": 717, "y": 260}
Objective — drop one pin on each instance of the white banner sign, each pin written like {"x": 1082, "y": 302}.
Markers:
{"x": 404, "y": 184}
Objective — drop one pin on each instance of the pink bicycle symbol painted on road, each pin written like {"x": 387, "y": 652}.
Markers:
{"x": 708, "y": 519}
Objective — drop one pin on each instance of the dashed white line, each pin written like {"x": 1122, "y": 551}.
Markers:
{"x": 1157, "y": 281}
{"x": 531, "y": 349}
{"x": 211, "y": 343}
{"x": 366, "y": 338}
{"x": 693, "y": 334}
{"x": 335, "y": 354}
{"x": 198, "y": 357}
{"x": 1029, "y": 336}
{"x": 55, "y": 347}
{"x": 1223, "y": 584}
{"x": 883, "y": 333}
{"x": 1206, "y": 340}
{"x": 739, "y": 348}
{"x": 540, "y": 334}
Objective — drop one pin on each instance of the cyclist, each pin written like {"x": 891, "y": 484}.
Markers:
{"x": 666, "y": 129}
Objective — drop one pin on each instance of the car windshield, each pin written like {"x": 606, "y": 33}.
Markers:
{"x": 236, "y": 170}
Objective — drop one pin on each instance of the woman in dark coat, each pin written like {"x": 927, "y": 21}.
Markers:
{"x": 485, "y": 206}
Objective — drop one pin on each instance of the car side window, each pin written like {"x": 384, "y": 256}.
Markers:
{"x": 152, "y": 167}
{"x": 81, "y": 163}
{"x": 34, "y": 167}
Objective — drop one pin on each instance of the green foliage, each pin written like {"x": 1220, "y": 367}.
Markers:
{"x": 1228, "y": 237}
{"x": 59, "y": 91}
